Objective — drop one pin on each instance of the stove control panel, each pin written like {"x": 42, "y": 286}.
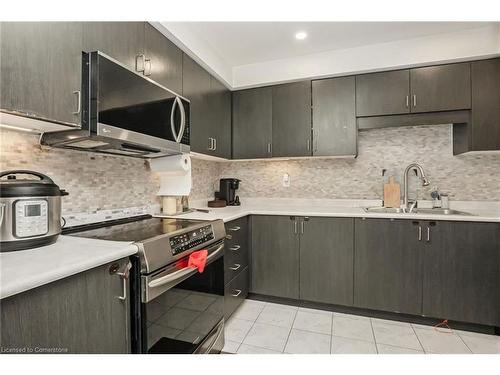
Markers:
{"x": 191, "y": 239}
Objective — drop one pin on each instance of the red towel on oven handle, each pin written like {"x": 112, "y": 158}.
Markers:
{"x": 198, "y": 259}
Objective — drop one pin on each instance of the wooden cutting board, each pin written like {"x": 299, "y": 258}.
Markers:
{"x": 392, "y": 193}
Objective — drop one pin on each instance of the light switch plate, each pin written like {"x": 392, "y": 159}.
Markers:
{"x": 286, "y": 180}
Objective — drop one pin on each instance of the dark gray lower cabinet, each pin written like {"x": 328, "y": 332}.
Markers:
{"x": 236, "y": 259}
{"x": 334, "y": 117}
{"x": 461, "y": 279}
{"x": 275, "y": 256}
{"x": 326, "y": 260}
{"x": 388, "y": 265}
{"x": 78, "y": 314}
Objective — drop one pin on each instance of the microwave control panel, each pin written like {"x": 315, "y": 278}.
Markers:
{"x": 31, "y": 218}
{"x": 189, "y": 240}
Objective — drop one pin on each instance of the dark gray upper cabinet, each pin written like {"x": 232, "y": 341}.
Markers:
{"x": 485, "y": 126}
{"x": 292, "y": 119}
{"x": 41, "y": 71}
{"x": 274, "y": 256}
{"x": 164, "y": 60}
{"x": 334, "y": 117}
{"x": 219, "y": 114}
{"x": 388, "y": 265}
{"x": 440, "y": 88}
{"x": 327, "y": 260}
{"x": 196, "y": 87}
{"x": 385, "y": 93}
{"x": 462, "y": 271}
{"x": 81, "y": 313}
{"x": 123, "y": 41}
{"x": 252, "y": 123}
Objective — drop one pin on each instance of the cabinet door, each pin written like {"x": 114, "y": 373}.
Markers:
{"x": 165, "y": 65}
{"x": 41, "y": 69}
{"x": 252, "y": 123}
{"x": 235, "y": 293}
{"x": 80, "y": 314}
{"x": 462, "y": 272}
{"x": 292, "y": 119}
{"x": 485, "y": 105}
{"x": 196, "y": 88}
{"x": 123, "y": 41}
{"x": 326, "y": 260}
{"x": 387, "y": 265}
{"x": 220, "y": 118}
{"x": 385, "y": 93}
{"x": 275, "y": 256}
{"x": 334, "y": 117}
{"x": 440, "y": 88}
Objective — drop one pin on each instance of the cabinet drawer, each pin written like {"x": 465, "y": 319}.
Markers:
{"x": 237, "y": 231}
{"x": 234, "y": 262}
{"x": 235, "y": 293}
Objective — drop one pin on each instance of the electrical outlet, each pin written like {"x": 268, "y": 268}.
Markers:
{"x": 286, "y": 180}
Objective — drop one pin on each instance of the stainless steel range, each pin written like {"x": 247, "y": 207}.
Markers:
{"x": 174, "y": 308}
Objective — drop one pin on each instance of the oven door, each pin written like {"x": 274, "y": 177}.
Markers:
{"x": 182, "y": 309}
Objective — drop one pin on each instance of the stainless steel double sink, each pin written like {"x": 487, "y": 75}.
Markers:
{"x": 423, "y": 211}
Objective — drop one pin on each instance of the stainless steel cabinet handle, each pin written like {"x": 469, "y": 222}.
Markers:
{"x": 414, "y": 100}
{"x": 308, "y": 145}
{"x": 124, "y": 276}
{"x": 236, "y": 267}
{"x": 420, "y": 233}
{"x": 210, "y": 144}
{"x": 215, "y": 144}
{"x": 235, "y": 248}
{"x": 140, "y": 63}
{"x": 302, "y": 227}
{"x": 428, "y": 234}
{"x": 147, "y": 67}
{"x": 78, "y": 94}
{"x": 295, "y": 226}
{"x": 229, "y": 237}
{"x": 407, "y": 101}
{"x": 238, "y": 292}
{"x": 268, "y": 147}
{"x": 235, "y": 229}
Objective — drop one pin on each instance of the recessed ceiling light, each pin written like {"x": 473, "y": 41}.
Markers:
{"x": 301, "y": 35}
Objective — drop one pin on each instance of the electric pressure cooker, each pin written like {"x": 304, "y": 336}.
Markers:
{"x": 30, "y": 210}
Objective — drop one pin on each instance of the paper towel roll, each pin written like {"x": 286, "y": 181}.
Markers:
{"x": 171, "y": 164}
{"x": 175, "y": 174}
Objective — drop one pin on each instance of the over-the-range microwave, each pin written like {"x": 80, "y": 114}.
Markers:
{"x": 125, "y": 113}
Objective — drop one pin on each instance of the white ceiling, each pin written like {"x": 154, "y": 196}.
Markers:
{"x": 241, "y": 43}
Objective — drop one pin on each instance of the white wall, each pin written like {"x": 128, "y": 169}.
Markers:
{"x": 448, "y": 47}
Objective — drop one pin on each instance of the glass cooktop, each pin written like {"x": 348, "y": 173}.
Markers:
{"x": 132, "y": 229}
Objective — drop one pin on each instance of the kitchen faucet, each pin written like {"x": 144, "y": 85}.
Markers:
{"x": 425, "y": 182}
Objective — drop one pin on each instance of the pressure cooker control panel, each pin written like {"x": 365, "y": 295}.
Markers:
{"x": 31, "y": 218}
{"x": 189, "y": 240}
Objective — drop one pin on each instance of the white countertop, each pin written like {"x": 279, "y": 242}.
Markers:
{"x": 481, "y": 211}
{"x": 27, "y": 269}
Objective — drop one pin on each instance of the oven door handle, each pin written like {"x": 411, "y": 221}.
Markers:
{"x": 182, "y": 272}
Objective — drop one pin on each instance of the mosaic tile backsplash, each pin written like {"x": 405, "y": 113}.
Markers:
{"x": 465, "y": 177}
{"x": 94, "y": 181}
{"x": 98, "y": 182}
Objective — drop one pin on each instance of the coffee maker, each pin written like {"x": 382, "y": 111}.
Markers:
{"x": 227, "y": 191}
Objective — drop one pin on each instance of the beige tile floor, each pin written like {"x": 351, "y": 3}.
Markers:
{"x": 268, "y": 328}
